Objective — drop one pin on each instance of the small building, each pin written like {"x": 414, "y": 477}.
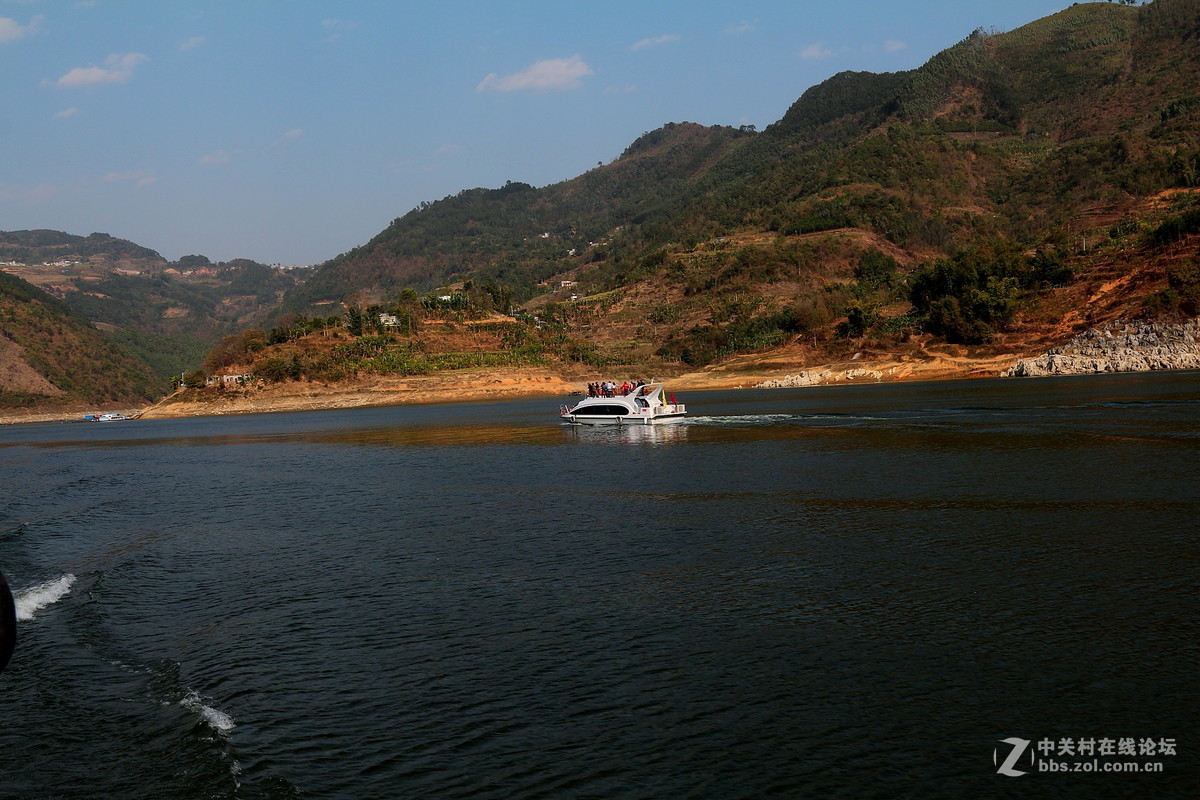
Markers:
{"x": 226, "y": 381}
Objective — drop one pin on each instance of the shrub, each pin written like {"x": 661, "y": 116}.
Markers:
{"x": 665, "y": 314}
{"x": 968, "y": 297}
{"x": 277, "y": 369}
{"x": 875, "y": 268}
{"x": 947, "y": 318}
{"x": 858, "y": 319}
{"x": 812, "y": 311}
{"x": 1175, "y": 227}
{"x": 1184, "y": 280}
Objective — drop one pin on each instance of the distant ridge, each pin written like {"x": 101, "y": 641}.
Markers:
{"x": 38, "y": 246}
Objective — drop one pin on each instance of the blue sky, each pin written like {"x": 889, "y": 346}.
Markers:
{"x": 289, "y": 131}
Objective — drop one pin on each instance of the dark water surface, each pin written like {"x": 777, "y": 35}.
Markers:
{"x": 846, "y": 592}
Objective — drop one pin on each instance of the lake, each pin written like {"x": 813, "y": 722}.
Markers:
{"x": 825, "y": 592}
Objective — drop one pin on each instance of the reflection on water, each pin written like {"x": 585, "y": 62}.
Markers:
{"x": 461, "y": 435}
{"x": 625, "y": 434}
{"x": 850, "y": 592}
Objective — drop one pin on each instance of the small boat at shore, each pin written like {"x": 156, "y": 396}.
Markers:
{"x": 108, "y": 417}
{"x": 644, "y": 405}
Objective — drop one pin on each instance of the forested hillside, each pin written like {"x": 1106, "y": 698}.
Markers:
{"x": 1017, "y": 188}
{"x": 36, "y": 247}
{"x": 1006, "y": 134}
{"x": 969, "y": 201}
{"x": 517, "y": 236}
{"x": 49, "y": 354}
{"x": 168, "y": 314}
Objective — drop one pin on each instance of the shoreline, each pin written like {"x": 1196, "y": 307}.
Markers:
{"x": 1112, "y": 348}
{"x": 472, "y": 386}
{"x": 376, "y": 398}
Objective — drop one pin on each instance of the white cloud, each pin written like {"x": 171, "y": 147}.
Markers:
{"x": 294, "y": 133}
{"x": 30, "y": 195}
{"x": 891, "y": 46}
{"x": 338, "y": 27}
{"x": 139, "y": 178}
{"x": 11, "y": 30}
{"x": 219, "y": 157}
{"x": 67, "y": 113}
{"x": 192, "y": 43}
{"x": 549, "y": 75}
{"x": 815, "y": 51}
{"x": 664, "y": 39}
{"x": 117, "y": 69}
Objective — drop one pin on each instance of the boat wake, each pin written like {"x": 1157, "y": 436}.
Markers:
{"x": 776, "y": 419}
{"x": 214, "y": 718}
{"x": 35, "y": 598}
{"x": 744, "y": 419}
{"x": 221, "y": 724}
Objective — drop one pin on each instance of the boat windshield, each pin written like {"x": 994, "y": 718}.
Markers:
{"x": 601, "y": 410}
{"x": 653, "y": 393}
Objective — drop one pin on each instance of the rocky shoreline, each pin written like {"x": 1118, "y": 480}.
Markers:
{"x": 1115, "y": 347}
{"x": 821, "y": 377}
{"x": 1120, "y": 346}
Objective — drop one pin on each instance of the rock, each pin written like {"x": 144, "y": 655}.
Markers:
{"x": 807, "y": 378}
{"x": 816, "y": 377}
{"x": 1118, "y": 347}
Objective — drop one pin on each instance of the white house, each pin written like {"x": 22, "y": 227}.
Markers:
{"x": 228, "y": 380}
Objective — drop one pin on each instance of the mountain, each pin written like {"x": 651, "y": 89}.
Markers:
{"x": 44, "y": 246}
{"x": 1054, "y": 131}
{"x": 49, "y": 354}
{"x": 517, "y": 234}
{"x": 167, "y": 313}
{"x": 1017, "y": 188}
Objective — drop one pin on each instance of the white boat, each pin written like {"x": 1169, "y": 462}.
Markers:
{"x": 645, "y": 405}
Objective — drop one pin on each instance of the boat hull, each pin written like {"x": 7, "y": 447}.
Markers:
{"x": 626, "y": 419}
